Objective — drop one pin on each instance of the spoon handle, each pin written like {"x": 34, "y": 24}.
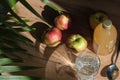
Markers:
{"x": 118, "y": 49}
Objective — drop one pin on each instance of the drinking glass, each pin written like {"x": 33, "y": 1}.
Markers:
{"x": 87, "y": 65}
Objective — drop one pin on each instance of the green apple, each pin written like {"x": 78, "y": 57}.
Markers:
{"x": 76, "y": 42}
{"x": 97, "y": 18}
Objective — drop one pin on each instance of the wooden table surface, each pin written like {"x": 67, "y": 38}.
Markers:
{"x": 52, "y": 60}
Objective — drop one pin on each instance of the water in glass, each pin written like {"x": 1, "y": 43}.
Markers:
{"x": 87, "y": 65}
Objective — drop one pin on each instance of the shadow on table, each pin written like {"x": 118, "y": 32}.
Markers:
{"x": 79, "y": 21}
{"x": 38, "y": 34}
{"x": 49, "y": 15}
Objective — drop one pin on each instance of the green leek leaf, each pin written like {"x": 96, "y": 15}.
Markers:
{"x": 15, "y": 68}
{"x": 12, "y": 2}
{"x": 24, "y": 29}
{"x": 29, "y": 7}
{"x": 13, "y": 13}
{"x": 4, "y": 61}
{"x": 9, "y": 42}
{"x": 15, "y": 36}
{"x": 19, "y": 78}
{"x": 4, "y": 50}
{"x": 48, "y": 3}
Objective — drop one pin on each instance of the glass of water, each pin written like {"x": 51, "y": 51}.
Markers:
{"x": 87, "y": 65}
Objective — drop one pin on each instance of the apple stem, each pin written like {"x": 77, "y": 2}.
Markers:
{"x": 100, "y": 18}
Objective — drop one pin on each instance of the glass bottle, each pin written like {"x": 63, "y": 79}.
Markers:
{"x": 104, "y": 38}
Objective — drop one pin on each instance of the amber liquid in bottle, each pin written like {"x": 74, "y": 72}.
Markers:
{"x": 104, "y": 38}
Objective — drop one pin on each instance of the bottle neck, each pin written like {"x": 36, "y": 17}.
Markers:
{"x": 107, "y": 24}
{"x": 107, "y": 27}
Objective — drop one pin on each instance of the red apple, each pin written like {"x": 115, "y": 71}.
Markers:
{"x": 76, "y": 42}
{"x": 53, "y": 37}
{"x": 62, "y": 22}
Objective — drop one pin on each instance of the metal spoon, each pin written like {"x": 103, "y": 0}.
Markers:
{"x": 112, "y": 70}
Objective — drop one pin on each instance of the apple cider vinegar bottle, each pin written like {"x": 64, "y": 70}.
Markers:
{"x": 104, "y": 38}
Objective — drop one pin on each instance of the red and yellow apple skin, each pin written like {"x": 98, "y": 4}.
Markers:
{"x": 62, "y": 22}
{"x": 97, "y": 18}
{"x": 53, "y": 37}
{"x": 76, "y": 42}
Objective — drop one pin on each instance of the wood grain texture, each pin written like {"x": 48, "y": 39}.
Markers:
{"x": 50, "y": 58}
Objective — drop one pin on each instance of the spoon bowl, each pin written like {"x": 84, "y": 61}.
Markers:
{"x": 112, "y": 70}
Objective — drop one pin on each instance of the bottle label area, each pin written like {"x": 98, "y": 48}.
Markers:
{"x": 104, "y": 49}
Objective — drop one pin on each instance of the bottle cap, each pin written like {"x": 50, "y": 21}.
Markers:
{"x": 107, "y": 24}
